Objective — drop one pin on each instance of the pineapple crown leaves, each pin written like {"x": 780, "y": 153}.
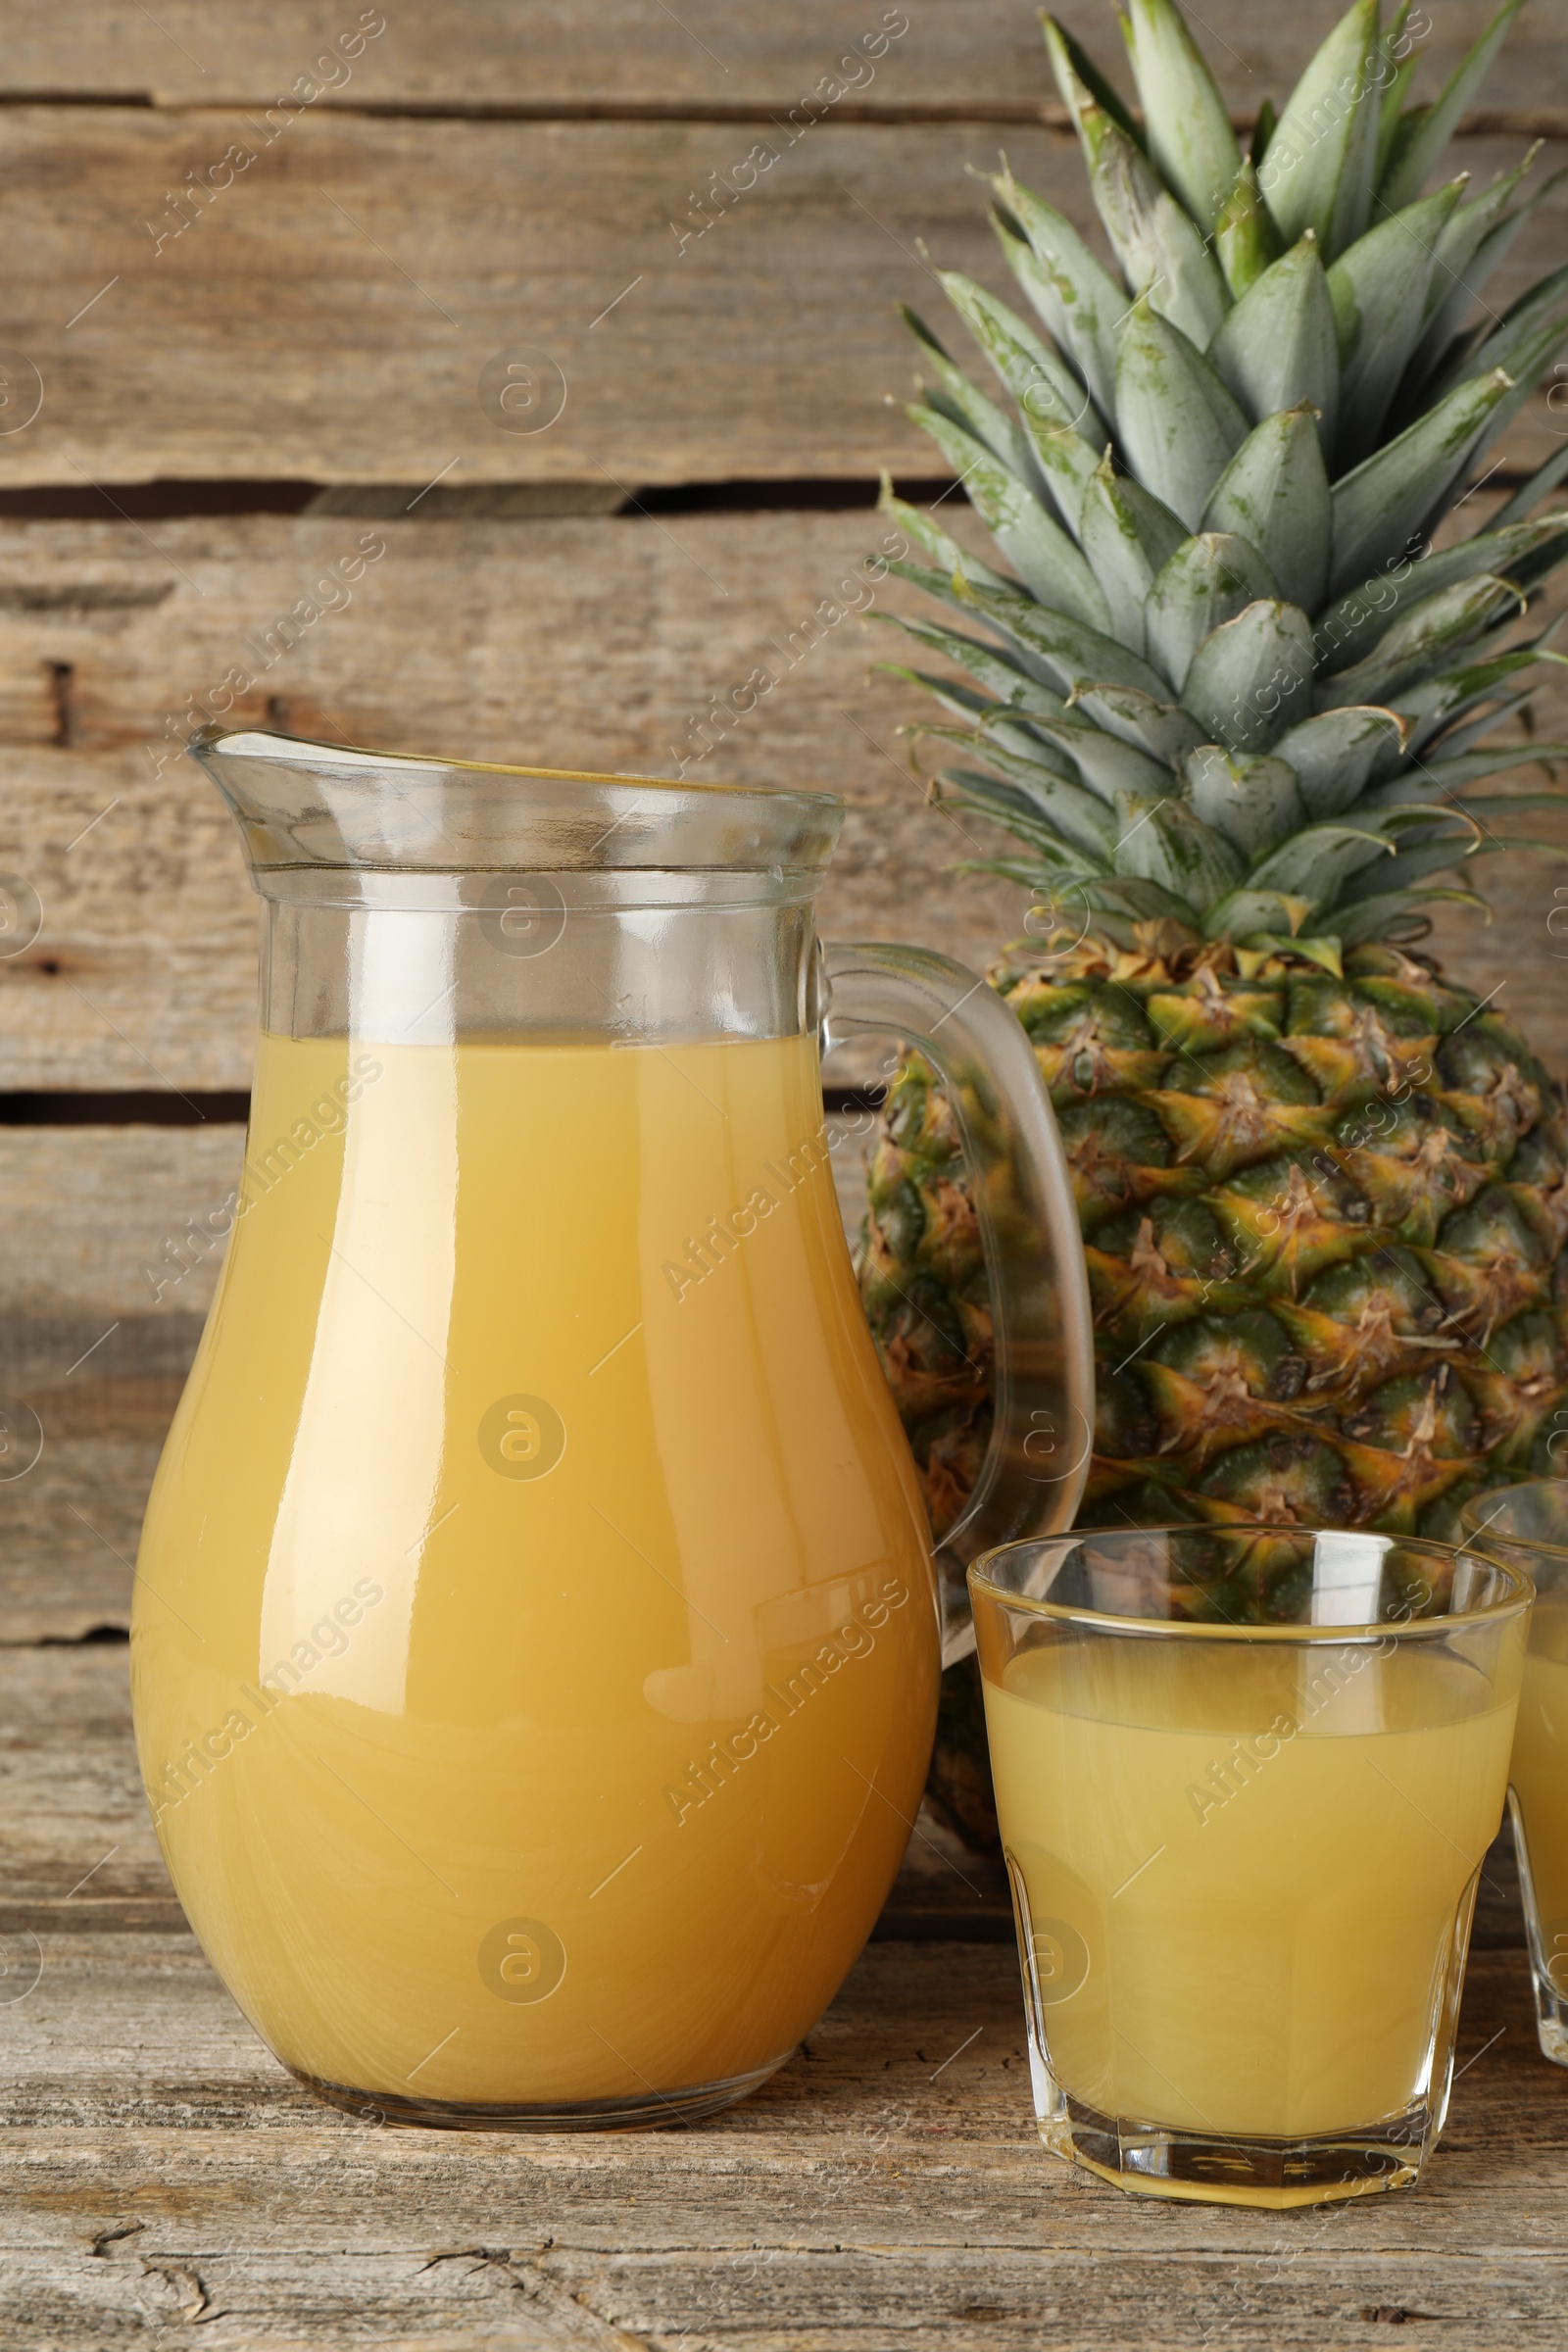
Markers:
{"x": 1226, "y": 679}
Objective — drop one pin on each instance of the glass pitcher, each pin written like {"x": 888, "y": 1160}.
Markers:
{"x": 536, "y": 1634}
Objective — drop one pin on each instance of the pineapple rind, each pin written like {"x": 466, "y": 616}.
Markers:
{"x": 1335, "y": 1302}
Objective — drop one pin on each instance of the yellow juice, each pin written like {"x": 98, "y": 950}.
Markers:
{"x": 535, "y": 1651}
{"x": 1243, "y": 1869}
{"x": 1539, "y": 1776}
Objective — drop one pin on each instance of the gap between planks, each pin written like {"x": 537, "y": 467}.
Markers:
{"x": 1534, "y": 121}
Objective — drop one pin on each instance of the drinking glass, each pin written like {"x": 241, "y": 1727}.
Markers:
{"x": 1528, "y": 1527}
{"x": 1246, "y": 1777}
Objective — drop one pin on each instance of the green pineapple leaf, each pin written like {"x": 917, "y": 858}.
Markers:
{"x": 1077, "y": 300}
{"x": 1470, "y": 252}
{"x": 964, "y": 702}
{"x": 1050, "y": 833}
{"x": 1082, "y": 819}
{"x": 1523, "y": 553}
{"x": 1317, "y": 863}
{"x": 1395, "y": 90}
{"x": 1382, "y": 503}
{"x": 1007, "y": 683}
{"x": 1080, "y": 80}
{"x": 1436, "y": 779}
{"x": 1254, "y": 802}
{"x": 1075, "y": 655}
{"x": 1065, "y": 432}
{"x": 1393, "y": 914}
{"x": 1279, "y": 348}
{"x": 1440, "y": 700}
{"x": 1336, "y": 754}
{"x": 1422, "y": 641}
{"x": 1163, "y": 842}
{"x": 1481, "y": 215}
{"x": 1246, "y": 238}
{"x": 955, "y": 588}
{"x": 1028, "y": 735}
{"x": 1454, "y": 738}
{"x": 1545, "y": 479}
{"x": 1379, "y": 290}
{"x": 1045, "y": 388}
{"x": 1528, "y": 367}
{"x": 1162, "y": 729}
{"x": 1275, "y": 493}
{"x": 1208, "y": 580}
{"x": 1320, "y": 178}
{"x": 928, "y": 535}
{"x": 964, "y": 403}
{"x": 1243, "y": 914}
{"x": 1103, "y": 766}
{"x": 1126, "y": 535}
{"x": 1159, "y": 250}
{"x": 1109, "y": 767}
{"x": 1040, "y": 551}
{"x": 1252, "y": 677}
{"x": 1178, "y": 425}
{"x": 1413, "y": 866}
{"x": 1418, "y": 144}
{"x": 1528, "y": 335}
{"x": 1187, "y": 128}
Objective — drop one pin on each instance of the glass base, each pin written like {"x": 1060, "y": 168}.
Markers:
{"x": 1211, "y": 2167}
{"x": 1158, "y": 2160}
{"x": 646, "y": 2111}
{"x": 1551, "y": 2032}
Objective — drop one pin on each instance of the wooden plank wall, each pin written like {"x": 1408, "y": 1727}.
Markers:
{"x": 243, "y": 340}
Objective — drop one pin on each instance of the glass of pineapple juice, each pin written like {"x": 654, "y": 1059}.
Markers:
{"x": 1528, "y": 1527}
{"x": 1246, "y": 1777}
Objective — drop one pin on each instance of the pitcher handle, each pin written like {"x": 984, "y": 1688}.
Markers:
{"x": 1042, "y": 1386}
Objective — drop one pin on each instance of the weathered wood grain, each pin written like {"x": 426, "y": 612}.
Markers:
{"x": 633, "y": 54}
{"x": 886, "y": 2188}
{"x": 328, "y": 316}
{"x": 329, "y": 310}
{"x": 91, "y": 1361}
{"x": 579, "y": 643}
{"x": 86, "y": 1403}
{"x": 584, "y": 643}
{"x": 89, "y": 1212}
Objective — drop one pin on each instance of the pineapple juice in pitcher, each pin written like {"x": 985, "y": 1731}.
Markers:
{"x": 536, "y": 1639}
{"x": 649, "y": 1610}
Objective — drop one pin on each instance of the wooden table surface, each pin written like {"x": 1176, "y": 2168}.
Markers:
{"x": 164, "y": 2181}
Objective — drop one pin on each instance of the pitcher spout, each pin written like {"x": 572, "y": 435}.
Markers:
{"x": 316, "y": 804}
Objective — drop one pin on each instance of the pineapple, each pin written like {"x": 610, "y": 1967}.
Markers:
{"x": 1231, "y": 694}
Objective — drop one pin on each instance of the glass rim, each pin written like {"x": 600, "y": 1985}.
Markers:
{"x": 264, "y": 743}
{"x": 1473, "y": 1503}
{"x": 344, "y": 806}
{"x": 1518, "y": 1597}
